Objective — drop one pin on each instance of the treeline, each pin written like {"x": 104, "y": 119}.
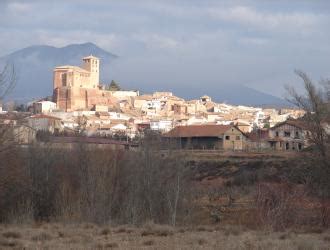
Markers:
{"x": 93, "y": 185}
{"x": 86, "y": 184}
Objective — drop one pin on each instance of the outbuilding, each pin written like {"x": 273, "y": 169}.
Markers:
{"x": 226, "y": 137}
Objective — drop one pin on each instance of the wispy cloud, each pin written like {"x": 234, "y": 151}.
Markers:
{"x": 268, "y": 20}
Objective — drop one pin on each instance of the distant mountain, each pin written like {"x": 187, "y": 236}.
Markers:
{"x": 34, "y": 66}
{"x": 242, "y": 95}
{"x": 230, "y": 94}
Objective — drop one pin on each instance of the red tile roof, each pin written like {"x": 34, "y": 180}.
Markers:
{"x": 296, "y": 123}
{"x": 42, "y": 116}
{"x": 199, "y": 131}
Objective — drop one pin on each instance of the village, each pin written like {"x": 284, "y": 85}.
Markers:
{"x": 83, "y": 107}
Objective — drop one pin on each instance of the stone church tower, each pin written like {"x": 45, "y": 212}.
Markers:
{"x": 92, "y": 64}
{"x": 79, "y": 88}
{"x": 76, "y": 88}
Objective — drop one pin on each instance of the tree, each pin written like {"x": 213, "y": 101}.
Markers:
{"x": 113, "y": 86}
{"x": 7, "y": 80}
{"x": 7, "y": 83}
{"x": 316, "y": 103}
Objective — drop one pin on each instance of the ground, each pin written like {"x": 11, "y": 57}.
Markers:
{"x": 150, "y": 236}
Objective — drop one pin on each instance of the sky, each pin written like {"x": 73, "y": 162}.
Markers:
{"x": 186, "y": 43}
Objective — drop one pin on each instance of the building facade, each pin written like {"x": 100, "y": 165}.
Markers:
{"x": 79, "y": 88}
{"x": 225, "y": 137}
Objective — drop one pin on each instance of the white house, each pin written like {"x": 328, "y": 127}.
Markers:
{"x": 44, "y": 107}
{"x": 161, "y": 125}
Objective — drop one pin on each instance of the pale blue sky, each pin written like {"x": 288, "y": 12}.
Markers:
{"x": 187, "y": 42}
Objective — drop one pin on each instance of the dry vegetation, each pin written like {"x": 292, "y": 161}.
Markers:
{"x": 150, "y": 236}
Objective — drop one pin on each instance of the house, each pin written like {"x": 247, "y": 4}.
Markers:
{"x": 227, "y": 137}
{"x": 243, "y": 125}
{"x": 194, "y": 120}
{"x": 141, "y": 126}
{"x": 122, "y": 94}
{"x": 163, "y": 125}
{"x": 259, "y": 139}
{"x": 204, "y": 99}
{"x": 45, "y": 123}
{"x": 44, "y": 107}
{"x": 289, "y": 135}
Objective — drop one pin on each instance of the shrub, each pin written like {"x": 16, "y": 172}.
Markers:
{"x": 105, "y": 231}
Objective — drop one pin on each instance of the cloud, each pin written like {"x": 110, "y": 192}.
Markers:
{"x": 267, "y": 20}
{"x": 186, "y": 41}
{"x": 17, "y": 7}
{"x": 254, "y": 41}
{"x": 156, "y": 41}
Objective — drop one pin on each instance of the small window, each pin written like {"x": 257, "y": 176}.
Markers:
{"x": 227, "y": 137}
{"x": 287, "y": 134}
{"x": 64, "y": 79}
{"x": 277, "y": 134}
{"x": 238, "y": 137}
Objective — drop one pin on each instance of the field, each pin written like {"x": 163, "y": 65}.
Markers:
{"x": 216, "y": 200}
{"x": 151, "y": 236}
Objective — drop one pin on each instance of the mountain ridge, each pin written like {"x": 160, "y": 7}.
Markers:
{"x": 35, "y": 64}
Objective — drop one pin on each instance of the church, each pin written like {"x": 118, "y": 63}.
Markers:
{"x": 79, "y": 88}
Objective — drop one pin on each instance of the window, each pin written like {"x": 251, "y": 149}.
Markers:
{"x": 64, "y": 79}
{"x": 297, "y": 134}
{"x": 287, "y": 134}
{"x": 227, "y": 137}
{"x": 277, "y": 134}
{"x": 238, "y": 137}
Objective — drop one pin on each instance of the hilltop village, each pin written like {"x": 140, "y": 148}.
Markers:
{"x": 82, "y": 106}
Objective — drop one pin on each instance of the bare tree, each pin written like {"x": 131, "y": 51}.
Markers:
{"x": 7, "y": 80}
{"x": 7, "y": 83}
{"x": 316, "y": 103}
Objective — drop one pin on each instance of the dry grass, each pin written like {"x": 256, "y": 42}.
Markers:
{"x": 151, "y": 236}
{"x": 41, "y": 237}
{"x": 12, "y": 234}
{"x": 149, "y": 243}
{"x": 157, "y": 230}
